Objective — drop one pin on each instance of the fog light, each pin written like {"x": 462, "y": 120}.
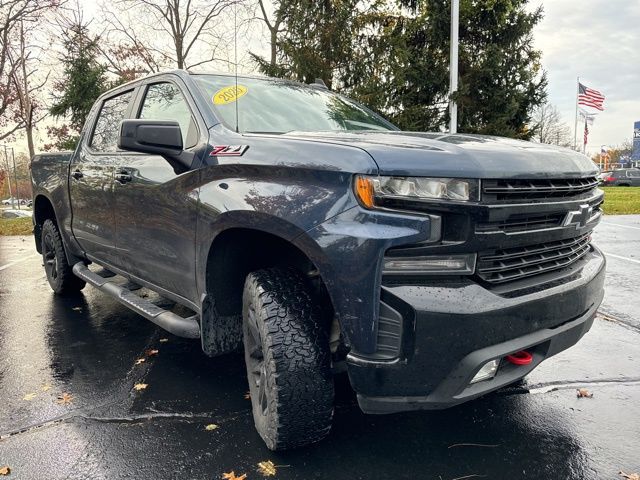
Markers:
{"x": 487, "y": 372}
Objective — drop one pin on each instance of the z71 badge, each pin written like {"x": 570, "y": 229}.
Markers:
{"x": 228, "y": 150}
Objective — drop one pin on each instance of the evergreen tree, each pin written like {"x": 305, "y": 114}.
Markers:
{"x": 83, "y": 80}
{"x": 399, "y": 69}
{"x": 501, "y": 78}
{"x": 316, "y": 39}
{"x": 394, "y": 57}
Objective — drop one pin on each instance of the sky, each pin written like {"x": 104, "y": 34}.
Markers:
{"x": 597, "y": 40}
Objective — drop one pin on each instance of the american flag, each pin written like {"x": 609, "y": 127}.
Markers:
{"x": 590, "y": 97}
{"x": 586, "y": 132}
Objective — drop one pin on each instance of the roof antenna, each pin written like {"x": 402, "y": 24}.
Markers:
{"x": 235, "y": 55}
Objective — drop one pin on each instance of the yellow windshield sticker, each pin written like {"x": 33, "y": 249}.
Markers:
{"x": 229, "y": 94}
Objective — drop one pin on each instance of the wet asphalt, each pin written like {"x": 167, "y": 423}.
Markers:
{"x": 87, "y": 347}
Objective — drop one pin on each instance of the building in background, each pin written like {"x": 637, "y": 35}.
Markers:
{"x": 635, "y": 154}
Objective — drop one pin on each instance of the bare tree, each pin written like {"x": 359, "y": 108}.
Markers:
{"x": 549, "y": 126}
{"x": 127, "y": 51}
{"x": 28, "y": 85}
{"x": 620, "y": 152}
{"x": 12, "y": 15}
{"x": 275, "y": 27}
{"x": 190, "y": 26}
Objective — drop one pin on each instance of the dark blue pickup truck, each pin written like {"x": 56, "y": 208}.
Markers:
{"x": 297, "y": 224}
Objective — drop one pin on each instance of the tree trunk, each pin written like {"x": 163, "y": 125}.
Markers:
{"x": 274, "y": 47}
{"x": 29, "y": 132}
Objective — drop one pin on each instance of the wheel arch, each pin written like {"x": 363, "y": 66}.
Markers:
{"x": 42, "y": 211}
{"x": 242, "y": 248}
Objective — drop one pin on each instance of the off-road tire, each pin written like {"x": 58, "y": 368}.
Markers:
{"x": 59, "y": 273}
{"x": 294, "y": 407}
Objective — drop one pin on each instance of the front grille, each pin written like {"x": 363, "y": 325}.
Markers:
{"x": 553, "y": 189}
{"x": 522, "y": 223}
{"x": 518, "y": 223}
{"x": 512, "y": 264}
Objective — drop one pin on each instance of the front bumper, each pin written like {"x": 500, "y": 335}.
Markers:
{"x": 448, "y": 333}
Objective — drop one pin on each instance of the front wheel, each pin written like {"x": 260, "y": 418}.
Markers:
{"x": 59, "y": 273}
{"x": 288, "y": 359}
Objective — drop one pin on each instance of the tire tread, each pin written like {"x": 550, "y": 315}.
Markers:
{"x": 297, "y": 356}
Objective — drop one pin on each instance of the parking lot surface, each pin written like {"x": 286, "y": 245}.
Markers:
{"x": 88, "y": 347}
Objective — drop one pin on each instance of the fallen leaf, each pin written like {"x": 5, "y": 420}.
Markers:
{"x": 583, "y": 392}
{"x": 232, "y": 476}
{"x": 247, "y": 396}
{"x": 46, "y": 388}
{"x": 267, "y": 468}
{"x": 630, "y": 476}
{"x": 29, "y": 396}
{"x": 164, "y": 340}
{"x": 140, "y": 386}
{"x": 65, "y": 399}
{"x": 151, "y": 352}
{"x": 210, "y": 427}
{"x": 5, "y": 470}
{"x": 140, "y": 360}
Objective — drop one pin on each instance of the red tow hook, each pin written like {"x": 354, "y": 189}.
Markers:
{"x": 520, "y": 358}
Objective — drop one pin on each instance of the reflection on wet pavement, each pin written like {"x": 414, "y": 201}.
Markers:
{"x": 88, "y": 345}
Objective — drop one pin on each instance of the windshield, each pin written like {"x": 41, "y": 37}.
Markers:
{"x": 275, "y": 106}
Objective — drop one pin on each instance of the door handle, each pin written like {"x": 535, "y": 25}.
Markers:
{"x": 77, "y": 174}
{"x": 123, "y": 176}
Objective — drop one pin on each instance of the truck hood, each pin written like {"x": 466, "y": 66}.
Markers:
{"x": 461, "y": 155}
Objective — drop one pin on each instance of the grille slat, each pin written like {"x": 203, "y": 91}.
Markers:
{"x": 522, "y": 224}
{"x": 516, "y": 263}
{"x": 513, "y": 190}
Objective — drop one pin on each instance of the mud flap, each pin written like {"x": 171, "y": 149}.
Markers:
{"x": 220, "y": 334}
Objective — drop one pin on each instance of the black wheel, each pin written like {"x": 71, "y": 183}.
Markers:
{"x": 59, "y": 274}
{"x": 288, "y": 360}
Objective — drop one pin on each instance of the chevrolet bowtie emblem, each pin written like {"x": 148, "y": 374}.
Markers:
{"x": 579, "y": 218}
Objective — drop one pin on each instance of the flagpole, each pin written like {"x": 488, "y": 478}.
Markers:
{"x": 575, "y": 127}
{"x": 584, "y": 146}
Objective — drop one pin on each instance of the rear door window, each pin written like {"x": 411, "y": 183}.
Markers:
{"x": 164, "y": 101}
{"x": 107, "y": 129}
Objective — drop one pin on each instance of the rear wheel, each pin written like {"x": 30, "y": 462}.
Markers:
{"x": 59, "y": 274}
{"x": 288, "y": 360}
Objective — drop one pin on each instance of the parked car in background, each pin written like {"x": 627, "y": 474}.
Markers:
{"x": 17, "y": 201}
{"x": 627, "y": 177}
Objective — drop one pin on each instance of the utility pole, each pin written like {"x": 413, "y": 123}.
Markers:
{"x": 6, "y": 162}
{"x": 453, "y": 66}
{"x": 15, "y": 175}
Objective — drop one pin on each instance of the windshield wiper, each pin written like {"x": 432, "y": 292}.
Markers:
{"x": 265, "y": 132}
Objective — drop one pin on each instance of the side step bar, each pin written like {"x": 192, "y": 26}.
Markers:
{"x": 180, "y": 326}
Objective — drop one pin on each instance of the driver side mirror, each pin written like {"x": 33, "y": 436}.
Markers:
{"x": 156, "y": 137}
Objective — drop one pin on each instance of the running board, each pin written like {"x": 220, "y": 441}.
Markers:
{"x": 180, "y": 326}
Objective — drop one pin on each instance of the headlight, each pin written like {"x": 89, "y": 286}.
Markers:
{"x": 373, "y": 191}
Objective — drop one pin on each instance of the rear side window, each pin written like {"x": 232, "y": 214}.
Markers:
{"x": 164, "y": 101}
{"x": 107, "y": 129}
